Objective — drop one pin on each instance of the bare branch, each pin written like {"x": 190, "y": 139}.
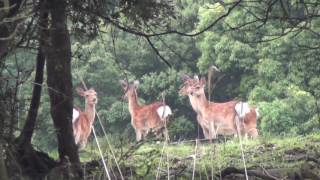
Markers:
{"x": 11, "y": 36}
{"x": 139, "y": 33}
{"x": 157, "y": 52}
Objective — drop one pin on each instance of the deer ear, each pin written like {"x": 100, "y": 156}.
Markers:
{"x": 196, "y": 77}
{"x": 136, "y": 83}
{"x": 203, "y": 81}
{"x": 123, "y": 83}
{"x": 80, "y": 91}
{"x": 184, "y": 77}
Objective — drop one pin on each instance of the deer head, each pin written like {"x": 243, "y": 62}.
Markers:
{"x": 186, "y": 88}
{"x": 197, "y": 88}
{"x": 129, "y": 88}
{"x": 89, "y": 95}
{"x": 191, "y": 86}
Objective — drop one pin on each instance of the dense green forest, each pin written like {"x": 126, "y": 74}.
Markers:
{"x": 267, "y": 53}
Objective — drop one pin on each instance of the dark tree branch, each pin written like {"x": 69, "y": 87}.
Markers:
{"x": 143, "y": 34}
{"x": 157, "y": 52}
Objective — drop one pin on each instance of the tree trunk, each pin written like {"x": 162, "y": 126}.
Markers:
{"x": 59, "y": 80}
{"x": 3, "y": 168}
{"x": 4, "y": 44}
{"x": 27, "y": 131}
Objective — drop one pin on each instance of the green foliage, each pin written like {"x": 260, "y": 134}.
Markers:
{"x": 270, "y": 70}
{"x": 181, "y": 128}
{"x": 118, "y": 117}
{"x": 45, "y": 135}
{"x": 289, "y": 115}
{"x": 280, "y": 77}
{"x": 208, "y": 13}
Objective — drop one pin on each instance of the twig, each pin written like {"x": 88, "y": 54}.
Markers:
{"x": 194, "y": 160}
{"x": 101, "y": 155}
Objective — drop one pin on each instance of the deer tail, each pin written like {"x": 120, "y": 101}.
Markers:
{"x": 242, "y": 108}
{"x": 75, "y": 115}
{"x": 164, "y": 112}
{"x": 257, "y": 112}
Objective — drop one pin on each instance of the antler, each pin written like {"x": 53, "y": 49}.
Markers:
{"x": 214, "y": 68}
{"x": 184, "y": 77}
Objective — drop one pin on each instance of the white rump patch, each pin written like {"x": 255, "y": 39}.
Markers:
{"x": 257, "y": 112}
{"x": 242, "y": 108}
{"x": 75, "y": 115}
{"x": 164, "y": 112}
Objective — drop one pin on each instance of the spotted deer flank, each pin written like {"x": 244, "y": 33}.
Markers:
{"x": 219, "y": 118}
{"x": 144, "y": 117}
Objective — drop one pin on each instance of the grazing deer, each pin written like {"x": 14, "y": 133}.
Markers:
{"x": 218, "y": 118}
{"x": 144, "y": 117}
{"x": 82, "y": 120}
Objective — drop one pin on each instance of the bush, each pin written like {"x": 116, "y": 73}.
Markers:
{"x": 181, "y": 128}
{"x": 290, "y": 115}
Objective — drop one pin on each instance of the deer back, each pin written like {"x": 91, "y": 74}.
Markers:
{"x": 147, "y": 117}
{"x": 223, "y": 116}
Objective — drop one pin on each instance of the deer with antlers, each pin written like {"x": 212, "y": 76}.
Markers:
{"x": 144, "y": 117}
{"x": 82, "y": 121}
{"x": 225, "y": 118}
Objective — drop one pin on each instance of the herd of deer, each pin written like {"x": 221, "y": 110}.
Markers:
{"x": 227, "y": 118}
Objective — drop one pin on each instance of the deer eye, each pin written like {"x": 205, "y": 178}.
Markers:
{"x": 198, "y": 87}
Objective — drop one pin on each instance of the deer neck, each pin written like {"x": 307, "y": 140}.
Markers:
{"x": 201, "y": 101}
{"x": 133, "y": 103}
{"x": 90, "y": 111}
{"x": 193, "y": 102}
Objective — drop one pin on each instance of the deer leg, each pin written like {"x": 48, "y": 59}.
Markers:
{"x": 82, "y": 145}
{"x": 207, "y": 131}
{"x": 216, "y": 131}
{"x": 138, "y": 135}
{"x": 213, "y": 133}
{"x": 76, "y": 137}
{"x": 85, "y": 142}
{"x": 166, "y": 134}
{"x": 158, "y": 134}
{"x": 145, "y": 133}
{"x": 238, "y": 128}
{"x": 204, "y": 130}
{"x": 246, "y": 136}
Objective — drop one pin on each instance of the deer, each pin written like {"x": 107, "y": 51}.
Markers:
{"x": 144, "y": 117}
{"x": 218, "y": 118}
{"x": 186, "y": 91}
{"x": 82, "y": 121}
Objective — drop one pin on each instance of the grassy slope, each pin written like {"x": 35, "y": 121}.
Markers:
{"x": 269, "y": 153}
